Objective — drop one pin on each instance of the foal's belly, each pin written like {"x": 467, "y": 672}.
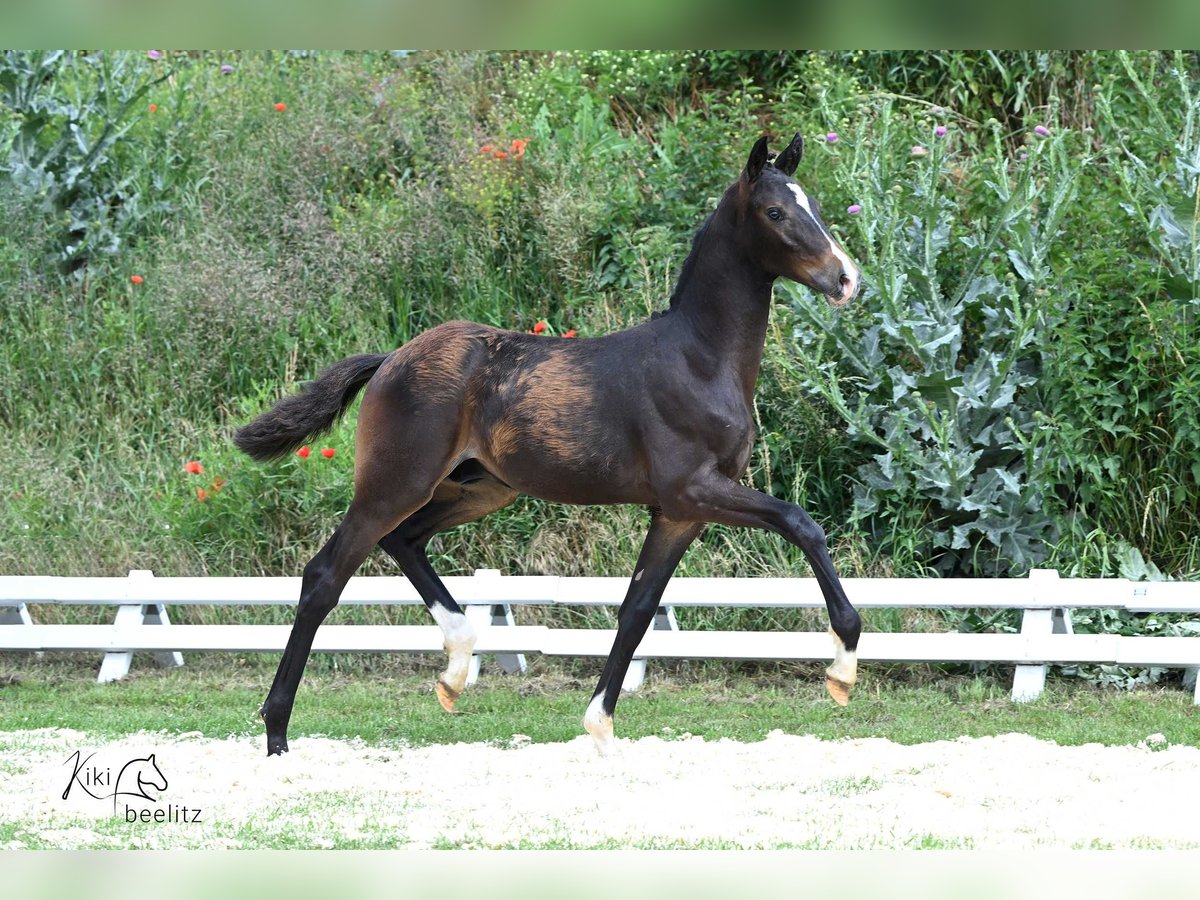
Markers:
{"x": 568, "y": 470}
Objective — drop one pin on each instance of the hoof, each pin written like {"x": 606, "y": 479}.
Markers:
{"x": 607, "y": 750}
{"x": 606, "y": 744}
{"x": 276, "y": 737}
{"x": 838, "y": 690}
{"x": 600, "y": 727}
{"x": 446, "y": 695}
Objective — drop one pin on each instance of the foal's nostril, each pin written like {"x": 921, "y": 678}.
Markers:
{"x": 847, "y": 288}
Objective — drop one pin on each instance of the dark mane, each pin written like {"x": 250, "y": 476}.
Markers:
{"x": 686, "y": 270}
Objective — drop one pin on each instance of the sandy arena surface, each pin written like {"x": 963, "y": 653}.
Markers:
{"x": 1010, "y": 791}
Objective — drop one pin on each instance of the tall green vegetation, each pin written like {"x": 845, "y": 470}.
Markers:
{"x": 943, "y": 359}
{"x": 1016, "y": 385}
{"x": 1127, "y": 370}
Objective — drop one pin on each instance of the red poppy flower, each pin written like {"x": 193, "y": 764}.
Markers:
{"x": 201, "y": 495}
{"x": 517, "y": 154}
{"x": 571, "y": 333}
{"x": 519, "y": 144}
{"x": 153, "y": 107}
{"x": 539, "y": 327}
{"x": 500, "y": 154}
{"x": 218, "y": 483}
{"x": 486, "y": 148}
{"x": 280, "y": 107}
{"x": 193, "y": 468}
{"x": 303, "y": 452}
{"x": 136, "y": 279}
{"x": 328, "y": 452}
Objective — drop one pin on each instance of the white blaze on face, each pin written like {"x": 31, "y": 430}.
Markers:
{"x": 848, "y": 267}
{"x": 459, "y": 642}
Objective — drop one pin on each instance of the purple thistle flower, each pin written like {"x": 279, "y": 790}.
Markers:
{"x": 832, "y": 137}
{"x": 918, "y": 150}
{"x": 1023, "y": 157}
{"x": 154, "y": 54}
{"x": 940, "y": 131}
{"x": 854, "y": 209}
{"x": 1041, "y": 129}
{"x": 226, "y": 69}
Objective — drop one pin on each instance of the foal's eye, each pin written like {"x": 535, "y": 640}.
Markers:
{"x": 774, "y": 213}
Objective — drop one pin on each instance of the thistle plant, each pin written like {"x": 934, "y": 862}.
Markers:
{"x": 72, "y": 113}
{"x": 935, "y": 372}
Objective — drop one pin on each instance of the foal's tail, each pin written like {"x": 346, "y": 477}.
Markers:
{"x": 320, "y": 403}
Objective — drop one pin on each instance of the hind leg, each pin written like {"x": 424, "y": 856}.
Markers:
{"x": 470, "y": 492}
{"x": 396, "y": 473}
{"x": 324, "y": 578}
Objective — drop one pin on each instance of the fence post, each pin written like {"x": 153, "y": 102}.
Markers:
{"x": 1191, "y": 682}
{"x": 494, "y": 614}
{"x": 15, "y": 615}
{"x": 115, "y": 664}
{"x": 1030, "y": 680}
{"x": 18, "y": 615}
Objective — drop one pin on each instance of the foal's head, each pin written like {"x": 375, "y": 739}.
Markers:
{"x": 781, "y": 226}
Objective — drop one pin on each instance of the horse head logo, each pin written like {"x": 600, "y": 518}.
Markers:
{"x": 145, "y": 775}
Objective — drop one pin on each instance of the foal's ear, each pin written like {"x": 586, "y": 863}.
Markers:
{"x": 758, "y": 159}
{"x": 790, "y": 158}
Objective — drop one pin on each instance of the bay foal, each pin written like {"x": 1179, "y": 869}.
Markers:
{"x": 463, "y": 418}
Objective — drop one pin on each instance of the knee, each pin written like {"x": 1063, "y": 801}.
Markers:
{"x": 404, "y": 545}
{"x": 805, "y": 532}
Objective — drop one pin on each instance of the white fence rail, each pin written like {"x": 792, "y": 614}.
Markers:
{"x": 141, "y": 622}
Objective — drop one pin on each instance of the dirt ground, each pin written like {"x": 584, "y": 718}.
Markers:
{"x": 1010, "y": 791}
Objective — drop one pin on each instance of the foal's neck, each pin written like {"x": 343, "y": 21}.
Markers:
{"x": 723, "y": 301}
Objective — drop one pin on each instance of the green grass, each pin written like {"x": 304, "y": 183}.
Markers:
{"x": 390, "y": 708}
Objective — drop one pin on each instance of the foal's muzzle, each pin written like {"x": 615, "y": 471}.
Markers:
{"x": 847, "y": 289}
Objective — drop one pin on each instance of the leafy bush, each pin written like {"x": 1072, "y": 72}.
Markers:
{"x": 236, "y": 513}
{"x": 1127, "y": 370}
{"x": 1007, "y": 85}
{"x": 79, "y": 150}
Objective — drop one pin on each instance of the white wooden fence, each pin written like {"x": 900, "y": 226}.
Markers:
{"x": 142, "y": 623}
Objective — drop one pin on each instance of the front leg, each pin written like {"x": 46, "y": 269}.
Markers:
{"x": 711, "y": 497}
{"x": 663, "y": 548}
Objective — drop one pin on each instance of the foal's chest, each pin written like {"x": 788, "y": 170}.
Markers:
{"x": 721, "y": 429}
